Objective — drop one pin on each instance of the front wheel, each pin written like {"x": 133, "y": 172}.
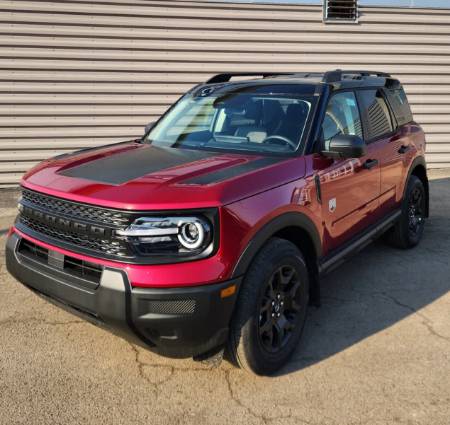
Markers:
{"x": 271, "y": 309}
{"x": 408, "y": 231}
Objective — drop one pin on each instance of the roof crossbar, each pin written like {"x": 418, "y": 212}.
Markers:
{"x": 336, "y": 75}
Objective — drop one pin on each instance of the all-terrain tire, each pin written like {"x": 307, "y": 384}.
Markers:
{"x": 252, "y": 345}
{"x": 408, "y": 231}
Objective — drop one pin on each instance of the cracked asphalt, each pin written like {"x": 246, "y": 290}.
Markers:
{"x": 377, "y": 352}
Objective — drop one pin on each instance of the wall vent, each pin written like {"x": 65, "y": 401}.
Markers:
{"x": 336, "y": 11}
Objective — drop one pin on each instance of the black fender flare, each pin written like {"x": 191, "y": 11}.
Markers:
{"x": 289, "y": 219}
{"x": 420, "y": 160}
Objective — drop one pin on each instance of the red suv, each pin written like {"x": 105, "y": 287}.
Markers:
{"x": 214, "y": 229}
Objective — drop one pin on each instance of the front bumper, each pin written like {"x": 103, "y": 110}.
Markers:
{"x": 175, "y": 322}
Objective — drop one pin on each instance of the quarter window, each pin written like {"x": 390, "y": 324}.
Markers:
{"x": 399, "y": 103}
{"x": 342, "y": 117}
{"x": 377, "y": 112}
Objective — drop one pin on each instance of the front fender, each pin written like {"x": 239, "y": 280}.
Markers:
{"x": 289, "y": 219}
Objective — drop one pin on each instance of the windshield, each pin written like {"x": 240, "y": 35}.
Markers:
{"x": 238, "y": 120}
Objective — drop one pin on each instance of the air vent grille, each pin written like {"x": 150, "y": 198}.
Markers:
{"x": 340, "y": 11}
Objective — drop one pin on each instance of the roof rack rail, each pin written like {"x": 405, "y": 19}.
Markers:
{"x": 327, "y": 77}
{"x": 223, "y": 78}
{"x": 336, "y": 75}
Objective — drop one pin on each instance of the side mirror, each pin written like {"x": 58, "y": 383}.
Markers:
{"x": 149, "y": 126}
{"x": 345, "y": 146}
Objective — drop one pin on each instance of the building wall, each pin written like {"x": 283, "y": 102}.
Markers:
{"x": 83, "y": 73}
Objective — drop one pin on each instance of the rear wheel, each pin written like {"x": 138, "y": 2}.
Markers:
{"x": 408, "y": 231}
{"x": 271, "y": 309}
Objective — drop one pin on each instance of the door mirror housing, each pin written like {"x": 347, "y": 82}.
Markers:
{"x": 345, "y": 146}
{"x": 149, "y": 126}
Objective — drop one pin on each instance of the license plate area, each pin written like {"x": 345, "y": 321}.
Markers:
{"x": 55, "y": 259}
{"x": 85, "y": 272}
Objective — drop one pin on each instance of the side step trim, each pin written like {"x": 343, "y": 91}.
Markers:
{"x": 337, "y": 257}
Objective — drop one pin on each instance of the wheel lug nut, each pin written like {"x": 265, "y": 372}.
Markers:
{"x": 273, "y": 314}
{"x": 278, "y": 296}
{"x": 273, "y": 302}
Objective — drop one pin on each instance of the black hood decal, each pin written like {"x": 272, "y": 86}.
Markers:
{"x": 122, "y": 167}
{"x": 230, "y": 172}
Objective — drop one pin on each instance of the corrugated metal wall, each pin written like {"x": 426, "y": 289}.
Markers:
{"x": 81, "y": 73}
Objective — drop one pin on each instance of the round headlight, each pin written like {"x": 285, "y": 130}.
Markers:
{"x": 180, "y": 233}
{"x": 192, "y": 234}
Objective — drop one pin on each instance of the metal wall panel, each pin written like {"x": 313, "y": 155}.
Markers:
{"x": 80, "y": 73}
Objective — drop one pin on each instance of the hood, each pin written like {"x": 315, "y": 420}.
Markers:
{"x": 139, "y": 176}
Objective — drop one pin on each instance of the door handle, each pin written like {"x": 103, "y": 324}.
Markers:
{"x": 404, "y": 149}
{"x": 370, "y": 163}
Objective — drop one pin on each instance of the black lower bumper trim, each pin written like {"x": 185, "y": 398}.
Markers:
{"x": 175, "y": 322}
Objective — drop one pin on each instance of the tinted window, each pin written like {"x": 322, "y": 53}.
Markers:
{"x": 377, "y": 111}
{"x": 399, "y": 103}
{"x": 342, "y": 117}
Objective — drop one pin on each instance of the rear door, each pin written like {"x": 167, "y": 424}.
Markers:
{"x": 350, "y": 188}
{"x": 401, "y": 150}
{"x": 386, "y": 142}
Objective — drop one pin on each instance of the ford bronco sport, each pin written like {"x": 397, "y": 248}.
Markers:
{"x": 214, "y": 229}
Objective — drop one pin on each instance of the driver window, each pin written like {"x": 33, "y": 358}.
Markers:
{"x": 341, "y": 117}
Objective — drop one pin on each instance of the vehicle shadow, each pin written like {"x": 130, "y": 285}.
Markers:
{"x": 379, "y": 287}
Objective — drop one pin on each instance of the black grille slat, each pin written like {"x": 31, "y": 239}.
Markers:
{"x": 83, "y": 269}
{"x": 34, "y": 250}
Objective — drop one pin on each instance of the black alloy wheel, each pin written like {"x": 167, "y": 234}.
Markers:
{"x": 280, "y": 308}
{"x": 416, "y": 211}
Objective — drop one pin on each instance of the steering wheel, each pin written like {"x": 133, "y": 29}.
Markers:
{"x": 283, "y": 139}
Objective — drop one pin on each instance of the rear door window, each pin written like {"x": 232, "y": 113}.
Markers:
{"x": 377, "y": 113}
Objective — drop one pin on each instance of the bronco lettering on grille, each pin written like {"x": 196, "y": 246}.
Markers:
{"x": 67, "y": 224}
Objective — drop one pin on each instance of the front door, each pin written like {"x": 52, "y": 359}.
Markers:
{"x": 350, "y": 188}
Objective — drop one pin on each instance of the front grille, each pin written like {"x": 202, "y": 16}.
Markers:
{"x": 110, "y": 247}
{"x": 82, "y": 269}
{"x": 79, "y": 227}
{"x": 75, "y": 209}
